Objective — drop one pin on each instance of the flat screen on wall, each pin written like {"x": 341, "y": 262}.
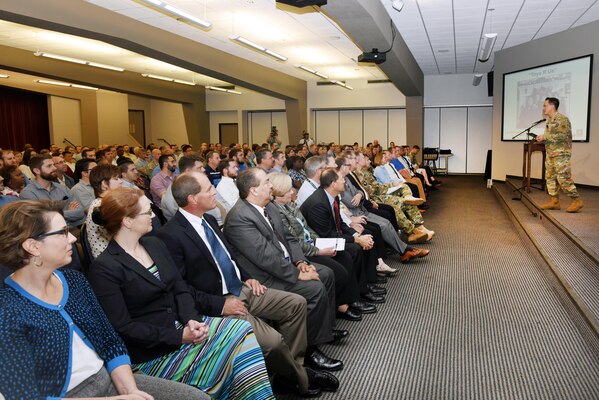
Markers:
{"x": 524, "y": 92}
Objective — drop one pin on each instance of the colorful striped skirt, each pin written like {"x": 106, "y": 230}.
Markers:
{"x": 228, "y": 365}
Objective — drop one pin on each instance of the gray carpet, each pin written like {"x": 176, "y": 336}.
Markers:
{"x": 477, "y": 319}
{"x": 585, "y": 224}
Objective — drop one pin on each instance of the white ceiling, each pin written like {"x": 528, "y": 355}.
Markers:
{"x": 307, "y": 37}
{"x": 444, "y": 35}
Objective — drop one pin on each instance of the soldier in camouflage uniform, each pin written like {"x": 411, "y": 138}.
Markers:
{"x": 558, "y": 146}
{"x": 407, "y": 214}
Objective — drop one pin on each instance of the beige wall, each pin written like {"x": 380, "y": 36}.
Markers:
{"x": 65, "y": 120}
{"x": 167, "y": 123}
{"x": 507, "y": 156}
{"x": 113, "y": 118}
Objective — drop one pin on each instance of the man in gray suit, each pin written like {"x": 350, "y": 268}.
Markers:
{"x": 352, "y": 198}
{"x": 273, "y": 256}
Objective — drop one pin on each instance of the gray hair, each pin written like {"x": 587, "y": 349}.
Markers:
{"x": 312, "y": 164}
{"x": 185, "y": 185}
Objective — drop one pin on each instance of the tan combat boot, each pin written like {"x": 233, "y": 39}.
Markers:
{"x": 575, "y": 206}
{"x": 552, "y": 204}
{"x": 417, "y": 236}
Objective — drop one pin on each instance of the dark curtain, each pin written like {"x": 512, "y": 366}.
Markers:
{"x": 23, "y": 119}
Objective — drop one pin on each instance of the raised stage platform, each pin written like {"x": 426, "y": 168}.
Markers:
{"x": 567, "y": 243}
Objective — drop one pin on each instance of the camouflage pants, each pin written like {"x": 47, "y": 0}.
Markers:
{"x": 408, "y": 216}
{"x": 558, "y": 176}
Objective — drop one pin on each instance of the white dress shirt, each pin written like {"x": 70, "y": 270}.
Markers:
{"x": 261, "y": 211}
{"x": 196, "y": 223}
{"x": 228, "y": 193}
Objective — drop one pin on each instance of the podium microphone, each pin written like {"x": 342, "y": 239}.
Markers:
{"x": 539, "y": 121}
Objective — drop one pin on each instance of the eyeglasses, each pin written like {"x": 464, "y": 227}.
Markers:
{"x": 64, "y": 231}
{"x": 149, "y": 212}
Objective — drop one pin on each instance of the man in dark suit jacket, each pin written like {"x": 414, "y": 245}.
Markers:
{"x": 274, "y": 257}
{"x": 318, "y": 211}
{"x": 198, "y": 261}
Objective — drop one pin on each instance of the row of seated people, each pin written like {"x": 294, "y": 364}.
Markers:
{"x": 352, "y": 270}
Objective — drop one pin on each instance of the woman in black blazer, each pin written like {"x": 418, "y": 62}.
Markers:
{"x": 149, "y": 305}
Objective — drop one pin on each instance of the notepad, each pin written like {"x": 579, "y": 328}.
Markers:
{"x": 337, "y": 243}
{"x": 393, "y": 189}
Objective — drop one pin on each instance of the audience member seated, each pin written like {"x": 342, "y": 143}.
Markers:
{"x": 163, "y": 179}
{"x": 273, "y": 256}
{"x": 227, "y": 193}
{"x": 43, "y": 188}
{"x": 279, "y": 162}
{"x": 14, "y": 180}
{"x": 404, "y": 204}
{"x": 24, "y": 167}
{"x": 129, "y": 172}
{"x": 236, "y": 154}
{"x": 313, "y": 168}
{"x": 347, "y": 275}
{"x": 56, "y": 340}
{"x": 386, "y": 173}
{"x": 83, "y": 191}
{"x": 400, "y": 168}
{"x": 149, "y": 305}
{"x": 5, "y": 198}
{"x": 189, "y": 163}
{"x": 404, "y": 158}
{"x": 221, "y": 288}
{"x": 296, "y": 173}
{"x": 212, "y": 161}
{"x": 62, "y": 178}
{"x": 265, "y": 160}
{"x": 429, "y": 172}
{"x": 102, "y": 178}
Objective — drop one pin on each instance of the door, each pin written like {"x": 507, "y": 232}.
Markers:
{"x": 228, "y": 133}
{"x": 137, "y": 126}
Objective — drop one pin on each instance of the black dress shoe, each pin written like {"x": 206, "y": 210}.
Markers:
{"x": 381, "y": 279}
{"x": 372, "y": 298}
{"x": 350, "y": 315}
{"x": 433, "y": 188}
{"x": 283, "y": 385}
{"x": 317, "y": 359}
{"x": 376, "y": 289}
{"x": 322, "y": 380}
{"x": 363, "y": 307}
{"x": 339, "y": 334}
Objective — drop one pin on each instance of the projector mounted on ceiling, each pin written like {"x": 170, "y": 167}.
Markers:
{"x": 373, "y": 57}
{"x": 303, "y": 3}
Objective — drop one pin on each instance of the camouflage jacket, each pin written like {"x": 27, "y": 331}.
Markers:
{"x": 558, "y": 136}
{"x": 369, "y": 182}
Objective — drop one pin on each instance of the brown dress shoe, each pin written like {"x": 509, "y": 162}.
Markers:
{"x": 423, "y": 252}
{"x": 408, "y": 255}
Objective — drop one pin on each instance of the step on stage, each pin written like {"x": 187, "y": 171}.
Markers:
{"x": 566, "y": 243}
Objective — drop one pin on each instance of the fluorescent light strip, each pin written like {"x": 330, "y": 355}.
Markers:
{"x": 4, "y": 76}
{"x": 262, "y": 49}
{"x": 77, "y": 61}
{"x": 313, "y": 71}
{"x": 73, "y": 85}
{"x": 182, "y": 15}
{"x": 220, "y": 89}
{"x": 167, "y": 79}
{"x": 342, "y": 84}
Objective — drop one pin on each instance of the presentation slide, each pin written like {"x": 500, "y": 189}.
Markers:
{"x": 525, "y": 91}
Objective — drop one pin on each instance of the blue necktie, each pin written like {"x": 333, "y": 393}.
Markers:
{"x": 224, "y": 261}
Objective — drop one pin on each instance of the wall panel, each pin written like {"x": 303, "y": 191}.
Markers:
{"x": 453, "y": 128}
{"x": 397, "y": 126}
{"x": 326, "y": 126}
{"x": 350, "y": 123}
{"x": 375, "y": 126}
{"x": 480, "y": 138}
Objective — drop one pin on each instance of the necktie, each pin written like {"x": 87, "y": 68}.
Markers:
{"x": 224, "y": 261}
{"x": 337, "y": 214}
{"x": 360, "y": 185}
{"x": 272, "y": 226}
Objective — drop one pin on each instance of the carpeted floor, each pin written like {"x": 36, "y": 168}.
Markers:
{"x": 475, "y": 320}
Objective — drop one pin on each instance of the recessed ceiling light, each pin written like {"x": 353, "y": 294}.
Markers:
{"x": 255, "y": 46}
{"x": 443, "y": 51}
{"x": 179, "y": 14}
{"x": 77, "y": 61}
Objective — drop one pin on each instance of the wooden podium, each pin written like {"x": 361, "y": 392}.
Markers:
{"x": 529, "y": 148}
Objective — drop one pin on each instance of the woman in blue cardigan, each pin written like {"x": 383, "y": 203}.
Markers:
{"x": 55, "y": 340}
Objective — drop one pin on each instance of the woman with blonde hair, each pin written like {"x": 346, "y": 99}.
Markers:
{"x": 347, "y": 290}
{"x": 148, "y": 303}
{"x": 55, "y": 340}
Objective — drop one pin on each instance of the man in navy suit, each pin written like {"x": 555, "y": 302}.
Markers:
{"x": 221, "y": 287}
